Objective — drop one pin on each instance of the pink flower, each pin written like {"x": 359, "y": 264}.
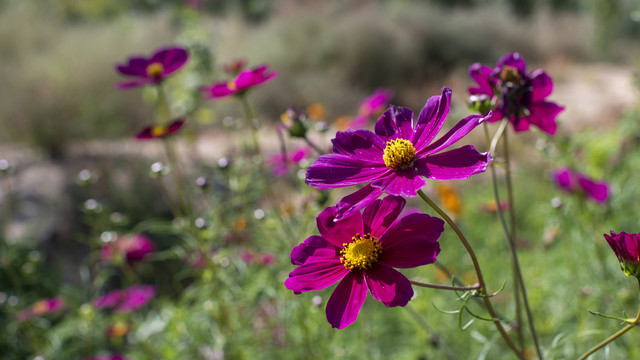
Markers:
{"x": 397, "y": 157}
{"x": 627, "y": 249}
{"x": 125, "y": 301}
{"x": 240, "y": 84}
{"x": 575, "y": 182}
{"x": 360, "y": 253}
{"x": 154, "y": 69}
{"x": 160, "y": 131}
{"x": 280, "y": 163}
{"x": 510, "y": 92}
{"x": 370, "y": 107}
{"x": 133, "y": 248}
{"x": 44, "y": 306}
{"x": 107, "y": 357}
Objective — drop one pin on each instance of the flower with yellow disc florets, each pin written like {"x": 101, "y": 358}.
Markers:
{"x": 360, "y": 253}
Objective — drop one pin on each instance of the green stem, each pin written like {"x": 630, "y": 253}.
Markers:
{"x": 613, "y": 337}
{"x": 446, "y": 287}
{"x": 163, "y": 105}
{"x": 478, "y": 271}
{"x": 253, "y": 123}
{"x": 178, "y": 175}
{"x": 496, "y": 197}
{"x": 314, "y": 146}
{"x": 514, "y": 253}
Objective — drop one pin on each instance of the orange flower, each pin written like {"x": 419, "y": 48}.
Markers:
{"x": 449, "y": 197}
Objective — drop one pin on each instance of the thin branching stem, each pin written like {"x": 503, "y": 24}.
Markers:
{"x": 478, "y": 271}
{"x": 514, "y": 253}
{"x": 446, "y": 287}
{"x": 613, "y": 337}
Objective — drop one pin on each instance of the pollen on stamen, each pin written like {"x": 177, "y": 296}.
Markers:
{"x": 232, "y": 85}
{"x": 155, "y": 70}
{"x": 158, "y": 131}
{"x": 361, "y": 253}
{"x": 399, "y": 154}
{"x": 510, "y": 74}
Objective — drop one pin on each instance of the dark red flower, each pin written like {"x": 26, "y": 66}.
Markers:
{"x": 153, "y": 69}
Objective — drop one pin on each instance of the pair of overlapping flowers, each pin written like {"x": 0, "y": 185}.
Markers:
{"x": 155, "y": 69}
{"x": 361, "y": 250}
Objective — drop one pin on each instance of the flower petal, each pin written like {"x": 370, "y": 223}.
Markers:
{"x": 378, "y": 216}
{"x": 171, "y": 59}
{"x": 359, "y": 144}
{"x": 388, "y": 285}
{"x": 346, "y": 301}
{"x": 395, "y": 122}
{"x": 598, "y": 191}
{"x": 461, "y": 129}
{"x": 481, "y": 74}
{"x": 458, "y": 163}
{"x": 541, "y": 85}
{"x": 412, "y": 241}
{"x": 352, "y": 203}
{"x": 338, "y": 232}
{"x": 314, "y": 246}
{"x": 543, "y": 115}
{"x": 405, "y": 182}
{"x": 337, "y": 170}
{"x": 137, "y": 66}
{"x": 218, "y": 90}
{"x": 514, "y": 60}
{"x": 315, "y": 275}
{"x": 431, "y": 118}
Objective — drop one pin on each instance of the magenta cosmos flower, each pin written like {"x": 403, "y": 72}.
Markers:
{"x": 245, "y": 80}
{"x": 132, "y": 248}
{"x": 281, "y": 163}
{"x": 125, "y": 301}
{"x": 41, "y": 307}
{"x": 398, "y": 155}
{"x": 106, "y": 357}
{"x": 627, "y": 249}
{"x": 510, "y": 92}
{"x": 370, "y": 106}
{"x": 575, "y": 182}
{"x": 160, "y": 131}
{"x": 154, "y": 69}
{"x": 360, "y": 252}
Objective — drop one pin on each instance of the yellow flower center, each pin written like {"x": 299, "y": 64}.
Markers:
{"x": 232, "y": 85}
{"x": 510, "y": 74}
{"x": 155, "y": 70}
{"x": 159, "y": 130}
{"x": 119, "y": 329}
{"x": 40, "y": 307}
{"x": 360, "y": 253}
{"x": 399, "y": 154}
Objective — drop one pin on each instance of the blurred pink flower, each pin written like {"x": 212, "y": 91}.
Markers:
{"x": 154, "y": 69}
{"x": 125, "y": 301}
{"x": 132, "y": 248}
{"x": 160, "y": 131}
{"x": 576, "y": 182}
{"x": 250, "y": 257}
{"x": 244, "y": 81}
{"x": 41, "y": 307}
{"x": 280, "y": 163}
{"x": 370, "y": 107}
{"x": 107, "y": 357}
